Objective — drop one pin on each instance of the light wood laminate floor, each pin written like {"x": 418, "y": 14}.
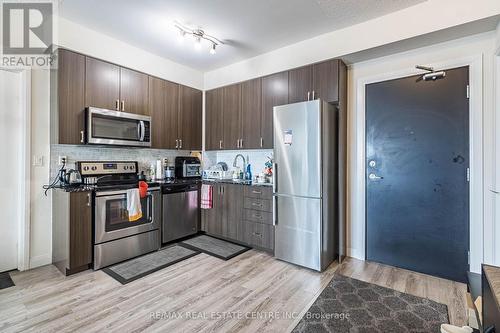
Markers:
{"x": 209, "y": 295}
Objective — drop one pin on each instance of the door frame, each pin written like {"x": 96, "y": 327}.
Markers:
{"x": 24, "y": 222}
{"x": 475, "y": 64}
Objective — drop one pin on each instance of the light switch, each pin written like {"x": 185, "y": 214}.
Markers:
{"x": 37, "y": 161}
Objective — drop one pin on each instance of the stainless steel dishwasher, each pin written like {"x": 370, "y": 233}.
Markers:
{"x": 181, "y": 211}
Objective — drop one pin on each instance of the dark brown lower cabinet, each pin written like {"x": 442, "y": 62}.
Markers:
{"x": 231, "y": 219}
{"x": 72, "y": 231}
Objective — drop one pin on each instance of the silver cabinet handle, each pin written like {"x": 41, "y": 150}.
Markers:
{"x": 176, "y": 143}
{"x": 117, "y": 105}
{"x": 220, "y": 144}
{"x": 373, "y": 176}
{"x": 256, "y": 192}
{"x": 88, "y": 199}
{"x": 261, "y": 142}
{"x": 82, "y": 136}
{"x": 275, "y": 177}
{"x": 308, "y": 95}
{"x": 314, "y": 93}
{"x": 241, "y": 143}
{"x": 123, "y": 105}
{"x": 257, "y": 216}
{"x": 256, "y": 204}
{"x": 180, "y": 143}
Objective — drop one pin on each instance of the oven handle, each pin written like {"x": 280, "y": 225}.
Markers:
{"x": 109, "y": 193}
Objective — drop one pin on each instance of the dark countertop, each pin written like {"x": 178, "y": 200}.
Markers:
{"x": 237, "y": 182}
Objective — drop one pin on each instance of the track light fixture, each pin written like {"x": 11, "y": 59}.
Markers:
{"x": 199, "y": 36}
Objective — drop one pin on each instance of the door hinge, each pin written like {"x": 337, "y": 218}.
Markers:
{"x": 468, "y": 91}
{"x": 468, "y": 174}
{"x": 468, "y": 258}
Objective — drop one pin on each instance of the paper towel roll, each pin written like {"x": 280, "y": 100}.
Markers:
{"x": 159, "y": 170}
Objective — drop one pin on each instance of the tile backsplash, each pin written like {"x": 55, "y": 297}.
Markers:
{"x": 75, "y": 153}
{"x": 257, "y": 158}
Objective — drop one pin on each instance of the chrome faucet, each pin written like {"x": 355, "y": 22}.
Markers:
{"x": 235, "y": 163}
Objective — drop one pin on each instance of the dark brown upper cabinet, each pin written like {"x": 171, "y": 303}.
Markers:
{"x": 164, "y": 111}
{"x": 68, "y": 92}
{"x": 251, "y": 104}
{"x": 318, "y": 81}
{"x": 274, "y": 93}
{"x": 300, "y": 84}
{"x": 133, "y": 91}
{"x": 112, "y": 87}
{"x": 213, "y": 119}
{"x": 231, "y": 109}
{"x": 102, "y": 84}
{"x": 326, "y": 80}
{"x": 190, "y": 115}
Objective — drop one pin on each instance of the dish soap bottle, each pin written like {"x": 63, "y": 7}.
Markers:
{"x": 248, "y": 174}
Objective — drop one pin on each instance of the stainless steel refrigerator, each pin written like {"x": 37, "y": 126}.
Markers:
{"x": 306, "y": 183}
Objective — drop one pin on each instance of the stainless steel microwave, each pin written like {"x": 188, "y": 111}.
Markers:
{"x": 107, "y": 127}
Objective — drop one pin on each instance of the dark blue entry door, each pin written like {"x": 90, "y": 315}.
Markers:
{"x": 417, "y": 160}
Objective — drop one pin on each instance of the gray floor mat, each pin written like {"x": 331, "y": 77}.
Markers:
{"x": 215, "y": 247}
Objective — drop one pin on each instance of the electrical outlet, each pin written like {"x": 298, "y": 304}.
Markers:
{"x": 63, "y": 160}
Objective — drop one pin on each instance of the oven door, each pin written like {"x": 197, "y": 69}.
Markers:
{"x": 117, "y": 128}
{"x": 111, "y": 215}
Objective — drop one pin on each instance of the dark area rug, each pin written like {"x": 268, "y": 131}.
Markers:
{"x": 349, "y": 305}
{"x": 215, "y": 247}
{"x": 6, "y": 281}
{"x": 139, "y": 267}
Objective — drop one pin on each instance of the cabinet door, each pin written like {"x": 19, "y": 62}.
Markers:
{"x": 212, "y": 218}
{"x": 300, "y": 84}
{"x": 190, "y": 115}
{"x": 80, "y": 230}
{"x": 133, "y": 92}
{"x": 163, "y": 108}
{"x": 70, "y": 91}
{"x": 232, "y": 210}
{"x": 213, "y": 119}
{"x": 251, "y": 92}
{"x": 231, "y": 116}
{"x": 102, "y": 84}
{"x": 326, "y": 80}
{"x": 274, "y": 93}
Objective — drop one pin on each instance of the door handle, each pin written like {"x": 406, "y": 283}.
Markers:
{"x": 176, "y": 143}
{"x": 373, "y": 176}
{"x": 220, "y": 144}
{"x": 82, "y": 136}
{"x": 275, "y": 210}
{"x": 123, "y": 105}
{"x": 308, "y": 95}
{"x": 88, "y": 199}
{"x": 241, "y": 143}
{"x": 261, "y": 142}
{"x": 143, "y": 130}
{"x": 275, "y": 177}
{"x": 180, "y": 143}
{"x": 117, "y": 105}
{"x": 314, "y": 93}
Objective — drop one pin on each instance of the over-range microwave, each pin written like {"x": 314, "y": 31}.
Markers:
{"x": 107, "y": 127}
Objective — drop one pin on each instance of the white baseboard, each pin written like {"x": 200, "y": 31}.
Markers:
{"x": 355, "y": 253}
{"x": 41, "y": 260}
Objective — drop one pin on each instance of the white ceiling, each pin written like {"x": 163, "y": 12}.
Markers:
{"x": 247, "y": 27}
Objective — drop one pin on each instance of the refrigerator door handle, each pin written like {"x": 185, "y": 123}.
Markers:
{"x": 275, "y": 177}
{"x": 275, "y": 210}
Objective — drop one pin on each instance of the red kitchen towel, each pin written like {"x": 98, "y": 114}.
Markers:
{"x": 206, "y": 196}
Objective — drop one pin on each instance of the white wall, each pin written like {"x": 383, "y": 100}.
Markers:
{"x": 424, "y": 18}
{"x": 41, "y": 215}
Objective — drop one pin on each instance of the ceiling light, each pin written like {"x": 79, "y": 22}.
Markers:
{"x": 199, "y": 36}
{"x": 197, "y": 43}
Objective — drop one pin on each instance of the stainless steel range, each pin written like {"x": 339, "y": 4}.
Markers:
{"x": 115, "y": 237}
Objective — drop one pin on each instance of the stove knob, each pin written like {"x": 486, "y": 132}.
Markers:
{"x": 85, "y": 168}
{"x": 132, "y": 167}
{"x": 94, "y": 168}
{"x": 125, "y": 167}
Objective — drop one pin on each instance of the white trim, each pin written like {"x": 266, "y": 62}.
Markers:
{"x": 23, "y": 249}
{"x": 475, "y": 64}
{"x": 41, "y": 260}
